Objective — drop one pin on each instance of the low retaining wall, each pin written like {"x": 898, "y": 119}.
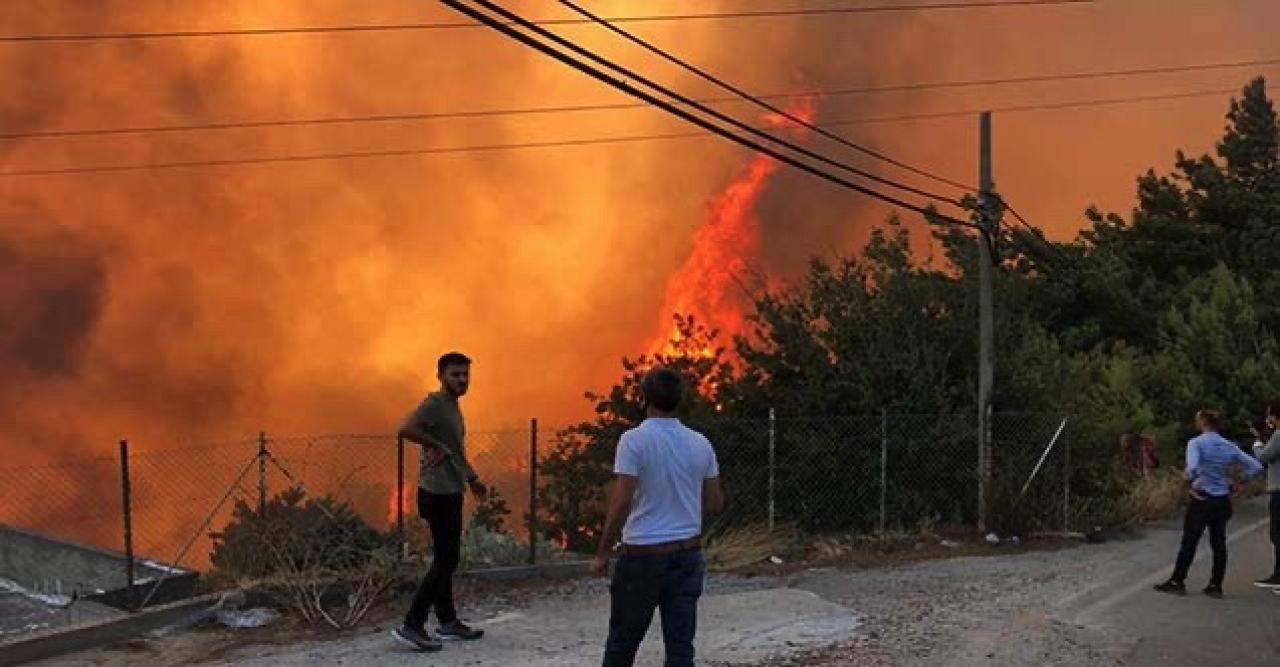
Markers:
{"x": 48, "y": 565}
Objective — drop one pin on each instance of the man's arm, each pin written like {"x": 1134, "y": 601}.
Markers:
{"x": 712, "y": 492}
{"x": 1270, "y": 453}
{"x": 624, "y": 489}
{"x": 1251, "y": 465}
{"x": 478, "y": 489}
{"x": 712, "y": 496}
{"x": 1193, "y": 461}
{"x": 1193, "y": 468}
{"x": 413, "y": 429}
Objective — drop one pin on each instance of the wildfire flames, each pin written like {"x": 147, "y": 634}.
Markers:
{"x": 712, "y": 285}
{"x": 404, "y": 500}
{"x": 187, "y": 308}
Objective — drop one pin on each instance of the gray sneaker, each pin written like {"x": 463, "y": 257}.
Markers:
{"x": 459, "y": 631}
{"x": 416, "y": 638}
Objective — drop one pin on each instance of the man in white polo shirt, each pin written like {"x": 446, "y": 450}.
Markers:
{"x": 666, "y": 477}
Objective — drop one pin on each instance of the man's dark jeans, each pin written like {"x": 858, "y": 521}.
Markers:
{"x": 670, "y": 583}
{"x": 443, "y": 513}
{"x": 1274, "y": 506}
{"x": 1213, "y": 512}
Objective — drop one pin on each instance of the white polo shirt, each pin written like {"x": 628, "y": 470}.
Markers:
{"x": 670, "y": 462}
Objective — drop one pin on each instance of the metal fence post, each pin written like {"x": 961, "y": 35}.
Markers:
{"x": 1066, "y": 482}
{"x": 884, "y": 469}
{"x": 400, "y": 489}
{"x": 533, "y": 491}
{"x": 262, "y": 472}
{"x": 773, "y": 442}
{"x": 127, "y": 502}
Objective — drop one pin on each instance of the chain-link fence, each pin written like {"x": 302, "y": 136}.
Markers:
{"x": 885, "y": 473}
{"x": 1031, "y": 473}
{"x": 77, "y": 500}
{"x": 877, "y": 473}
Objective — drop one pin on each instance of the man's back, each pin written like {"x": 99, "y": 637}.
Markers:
{"x": 1209, "y": 457}
{"x": 670, "y": 463}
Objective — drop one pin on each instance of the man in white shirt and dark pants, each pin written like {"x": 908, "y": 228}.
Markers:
{"x": 666, "y": 477}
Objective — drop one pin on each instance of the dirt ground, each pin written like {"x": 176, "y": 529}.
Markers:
{"x": 1042, "y": 603}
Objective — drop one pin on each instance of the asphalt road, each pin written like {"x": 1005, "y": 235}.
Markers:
{"x": 1158, "y": 629}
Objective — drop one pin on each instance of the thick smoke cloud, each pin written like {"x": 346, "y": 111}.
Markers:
{"x": 211, "y": 303}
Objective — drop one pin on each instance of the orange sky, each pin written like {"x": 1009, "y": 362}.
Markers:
{"x": 207, "y": 303}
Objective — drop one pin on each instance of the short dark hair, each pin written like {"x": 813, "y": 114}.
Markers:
{"x": 1209, "y": 417}
{"x": 1273, "y": 409}
{"x": 1259, "y": 424}
{"x": 452, "y": 359}
{"x": 663, "y": 388}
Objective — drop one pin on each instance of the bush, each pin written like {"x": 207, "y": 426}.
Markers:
{"x": 482, "y": 547}
{"x": 293, "y": 532}
{"x": 309, "y": 553}
{"x": 492, "y": 513}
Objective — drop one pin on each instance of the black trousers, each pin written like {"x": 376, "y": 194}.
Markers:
{"x": 1213, "y": 513}
{"x": 443, "y": 512}
{"x": 1274, "y": 506}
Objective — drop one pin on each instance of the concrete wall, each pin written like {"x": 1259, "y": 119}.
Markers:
{"x": 21, "y": 615}
{"x": 46, "y": 565}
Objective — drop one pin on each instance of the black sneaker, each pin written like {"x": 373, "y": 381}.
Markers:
{"x": 1213, "y": 591}
{"x": 416, "y": 638}
{"x": 1272, "y": 581}
{"x": 459, "y": 631}
{"x": 1172, "y": 587}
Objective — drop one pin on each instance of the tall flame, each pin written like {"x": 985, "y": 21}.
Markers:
{"x": 710, "y": 285}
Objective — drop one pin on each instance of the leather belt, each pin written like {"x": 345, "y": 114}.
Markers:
{"x": 662, "y": 549}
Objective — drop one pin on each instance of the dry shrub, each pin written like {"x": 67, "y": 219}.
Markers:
{"x": 749, "y": 545}
{"x": 313, "y": 555}
{"x": 1158, "y": 495}
{"x": 338, "y": 597}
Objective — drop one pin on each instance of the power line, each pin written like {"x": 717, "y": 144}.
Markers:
{"x": 685, "y": 115}
{"x": 619, "y": 106}
{"x": 667, "y": 105}
{"x": 651, "y": 18}
{"x": 1032, "y": 230}
{"x": 567, "y": 143}
{"x": 760, "y": 102}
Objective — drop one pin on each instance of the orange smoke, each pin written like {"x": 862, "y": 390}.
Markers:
{"x": 713, "y": 283}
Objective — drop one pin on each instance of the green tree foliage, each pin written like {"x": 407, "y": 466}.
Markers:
{"x": 1133, "y": 325}
{"x": 866, "y": 334}
{"x": 492, "y": 513}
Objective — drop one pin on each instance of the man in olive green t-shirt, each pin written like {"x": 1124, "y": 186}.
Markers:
{"x": 438, "y": 427}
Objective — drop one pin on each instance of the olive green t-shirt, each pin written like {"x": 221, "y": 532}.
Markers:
{"x": 440, "y": 418}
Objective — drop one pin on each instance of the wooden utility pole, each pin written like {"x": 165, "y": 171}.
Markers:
{"x": 987, "y": 217}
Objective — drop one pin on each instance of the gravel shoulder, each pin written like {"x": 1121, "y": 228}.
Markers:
{"x": 1068, "y": 606}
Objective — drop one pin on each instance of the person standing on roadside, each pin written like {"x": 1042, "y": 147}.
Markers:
{"x": 438, "y": 427}
{"x": 1209, "y": 457}
{"x": 666, "y": 477}
{"x": 1267, "y": 449}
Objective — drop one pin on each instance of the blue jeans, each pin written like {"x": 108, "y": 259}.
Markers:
{"x": 670, "y": 583}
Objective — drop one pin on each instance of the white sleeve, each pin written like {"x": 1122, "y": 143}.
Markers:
{"x": 713, "y": 466}
{"x": 627, "y": 460}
